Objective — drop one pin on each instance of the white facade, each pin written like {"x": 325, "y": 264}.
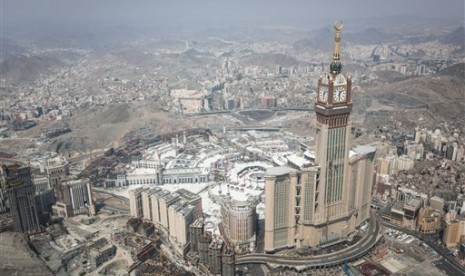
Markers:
{"x": 81, "y": 197}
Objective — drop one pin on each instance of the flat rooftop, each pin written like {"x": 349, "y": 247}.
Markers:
{"x": 276, "y": 171}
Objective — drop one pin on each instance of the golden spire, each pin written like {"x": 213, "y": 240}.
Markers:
{"x": 336, "y": 65}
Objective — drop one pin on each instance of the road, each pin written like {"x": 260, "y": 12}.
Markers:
{"x": 309, "y": 262}
{"x": 103, "y": 191}
{"x": 115, "y": 210}
{"x": 449, "y": 261}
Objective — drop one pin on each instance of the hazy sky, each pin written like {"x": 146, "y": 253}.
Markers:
{"x": 223, "y": 11}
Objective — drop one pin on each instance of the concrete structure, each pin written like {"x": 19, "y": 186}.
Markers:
{"x": 411, "y": 212}
{"x": 361, "y": 178}
{"x": 3, "y": 206}
{"x": 185, "y": 176}
{"x": 194, "y": 200}
{"x": 98, "y": 256}
{"x": 142, "y": 176}
{"x": 204, "y": 242}
{"x": 147, "y": 208}
{"x": 454, "y": 232}
{"x": 73, "y": 197}
{"x": 322, "y": 204}
{"x": 44, "y": 200}
{"x": 57, "y": 165}
{"x": 280, "y": 188}
{"x": 437, "y": 203}
{"x": 41, "y": 183}
{"x": 180, "y": 217}
{"x": 306, "y": 263}
{"x": 239, "y": 220}
{"x": 196, "y": 230}
{"x": 229, "y": 262}
{"x": 164, "y": 203}
{"x": 429, "y": 220}
{"x": 214, "y": 256}
{"x": 135, "y": 202}
{"x": 17, "y": 183}
{"x": 156, "y": 215}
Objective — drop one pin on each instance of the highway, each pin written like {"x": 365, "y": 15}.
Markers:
{"x": 450, "y": 261}
{"x": 103, "y": 191}
{"x": 111, "y": 208}
{"x": 309, "y": 262}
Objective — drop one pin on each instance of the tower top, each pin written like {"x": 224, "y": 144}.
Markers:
{"x": 336, "y": 64}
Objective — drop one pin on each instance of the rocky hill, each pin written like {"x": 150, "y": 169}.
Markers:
{"x": 100, "y": 127}
{"x": 442, "y": 94}
{"x": 456, "y": 37}
{"x": 28, "y": 68}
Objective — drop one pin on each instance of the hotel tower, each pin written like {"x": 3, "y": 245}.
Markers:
{"x": 322, "y": 204}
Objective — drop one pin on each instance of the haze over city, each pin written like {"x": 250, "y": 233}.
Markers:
{"x": 232, "y": 137}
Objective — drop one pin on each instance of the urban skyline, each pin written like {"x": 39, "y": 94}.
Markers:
{"x": 232, "y": 139}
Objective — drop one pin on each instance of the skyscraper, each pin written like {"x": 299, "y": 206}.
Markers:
{"x": 320, "y": 205}
{"x": 16, "y": 181}
{"x": 73, "y": 198}
{"x": 280, "y": 188}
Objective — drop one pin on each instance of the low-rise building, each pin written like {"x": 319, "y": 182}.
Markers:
{"x": 429, "y": 220}
{"x": 100, "y": 251}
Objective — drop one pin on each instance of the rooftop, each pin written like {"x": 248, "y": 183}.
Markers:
{"x": 276, "y": 171}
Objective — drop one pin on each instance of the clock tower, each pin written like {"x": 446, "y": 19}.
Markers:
{"x": 333, "y": 106}
{"x": 321, "y": 205}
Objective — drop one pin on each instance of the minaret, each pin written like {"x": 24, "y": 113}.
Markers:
{"x": 333, "y": 107}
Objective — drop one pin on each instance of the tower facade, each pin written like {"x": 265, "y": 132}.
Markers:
{"x": 280, "y": 204}
{"x": 73, "y": 197}
{"x": 333, "y": 107}
{"x": 320, "y": 205}
{"x": 17, "y": 182}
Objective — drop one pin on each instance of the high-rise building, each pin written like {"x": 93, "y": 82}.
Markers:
{"x": 3, "y": 207}
{"x": 73, "y": 197}
{"x": 280, "y": 188}
{"x": 135, "y": 202}
{"x": 164, "y": 203}
{"x": 16, "y": 181}
{"x": 196, "y": 230}
{"x": 239, "y": 219}
{"x": 180, "y": 217}
{"x": 193, "y": 199}
{"x": 147, "y": 202}
{"x": 319, "y": 205}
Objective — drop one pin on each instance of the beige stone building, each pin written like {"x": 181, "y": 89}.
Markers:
{"x": 322, "y": 204}
{"x": 135, "y": 202}
{"x": 180, "y": 217}
{"x": 454, "y": 231}
{"x": 280, "y": 188}
{"x": 239, "y": 219}
{"x": 147, "y": 203}
{"x": 429, "y": 220}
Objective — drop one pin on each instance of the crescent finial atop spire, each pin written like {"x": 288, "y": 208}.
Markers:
{"x": 336, "y": 64}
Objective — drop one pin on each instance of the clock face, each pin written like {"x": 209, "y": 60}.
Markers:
{"x": 340, "y": 94}
{"x": 323, "y": 93}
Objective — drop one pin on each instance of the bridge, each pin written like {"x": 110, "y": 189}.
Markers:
{"x": 296, "y": 108}
{"x": 304, "y": 263}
